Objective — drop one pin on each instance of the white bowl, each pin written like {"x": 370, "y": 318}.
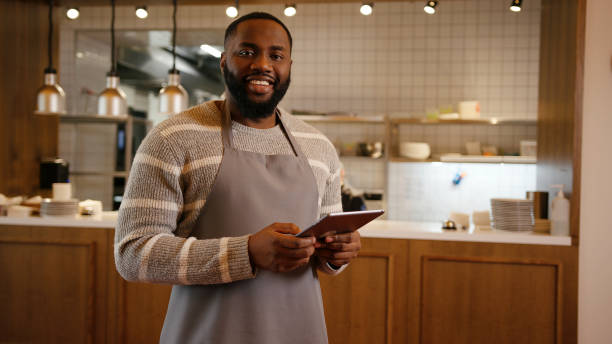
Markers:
{"x": 415, "y": 150}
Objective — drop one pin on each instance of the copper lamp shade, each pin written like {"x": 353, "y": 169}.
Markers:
{"x": 173, "y": 98}
{"x": 112, "y": 100}
{"x": 50, "y": 98}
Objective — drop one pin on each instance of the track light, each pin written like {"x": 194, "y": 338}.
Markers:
{"x": 366, "y": 9}
{"x": 232, "y": 11}
{"x": 141, "y": 12}
{"x": 515, "y": 6}
{"x": 290, "y": 10}
{"x": 430, "y": 6}
{"x": 73, "y": 13}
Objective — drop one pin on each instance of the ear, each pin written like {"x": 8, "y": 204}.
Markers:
{"x": 222, "y": 62}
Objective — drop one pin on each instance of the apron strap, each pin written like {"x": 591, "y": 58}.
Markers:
{"x": 226, "y": 130}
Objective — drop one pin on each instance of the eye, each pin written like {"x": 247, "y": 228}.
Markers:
{"x": 277, "y": 57}
{"x": 246, "y": 52}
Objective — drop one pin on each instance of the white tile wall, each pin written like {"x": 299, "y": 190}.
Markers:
{"x": 398, "y": 60}
{"x": 425, "y": 192}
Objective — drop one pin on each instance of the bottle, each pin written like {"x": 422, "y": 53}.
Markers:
{"x": 560, "y": 211}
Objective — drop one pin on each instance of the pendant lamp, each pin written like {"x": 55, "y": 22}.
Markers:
{"x": 173, "y": 98}
{"x": 112, "y": 101}
{"x": 50, "y": 98}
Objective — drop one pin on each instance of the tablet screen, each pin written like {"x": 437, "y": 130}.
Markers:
{"x": 340, "y": 223}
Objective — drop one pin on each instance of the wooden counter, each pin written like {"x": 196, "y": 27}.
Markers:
{"x": 61, "y": 286}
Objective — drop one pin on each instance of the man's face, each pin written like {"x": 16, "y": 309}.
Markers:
{"x": 256, "y": 67}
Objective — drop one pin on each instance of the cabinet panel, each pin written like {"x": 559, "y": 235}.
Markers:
{"x": 48, "y": 294}
{"x": 358, "y": 303}
{"x": 488, "y": 300}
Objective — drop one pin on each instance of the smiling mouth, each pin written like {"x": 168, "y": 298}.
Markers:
{"x": 260, "y": 86}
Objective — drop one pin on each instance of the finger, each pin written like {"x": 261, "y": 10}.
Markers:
{"x": 286, "y": 266}
{"x": 339, "y": 246}
{"x": 285, "y": 228}
{"x": 339, "y": 262}
{"x": 299, "y": 253}
{"x": 289, "y": 241}
{"x": 331, "y": 254}
{"x": 344, "y": 237}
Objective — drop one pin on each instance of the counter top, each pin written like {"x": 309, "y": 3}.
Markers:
{"x": 433, "y": 231}
{"x": 108, "y": 219}
{"x": 376, "y": 229}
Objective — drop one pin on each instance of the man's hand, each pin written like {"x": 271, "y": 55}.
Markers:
{"x": 340, "y": 249}
{"x": 275, "y": 248}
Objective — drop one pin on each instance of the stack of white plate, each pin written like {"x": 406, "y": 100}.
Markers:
{"x": 50, "y": 207}
{"x": 512, "y": 214}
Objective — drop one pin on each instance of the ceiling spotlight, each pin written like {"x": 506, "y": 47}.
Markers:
{"x": 290, "y": 10}
{"x": 141, "y": 12}
{"x": 366, "y": 9}
{"x": 231, "y": 11}
{"x": 210, "y": 50}
{"x": 430, "y": 6}
{"x": 515, "y": 6}
{"x": 72, "y": 13}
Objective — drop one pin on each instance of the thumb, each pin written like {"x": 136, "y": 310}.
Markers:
{"x": 286, "y": 228}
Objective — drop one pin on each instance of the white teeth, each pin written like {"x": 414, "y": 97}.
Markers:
{"x": 260, "y": 82}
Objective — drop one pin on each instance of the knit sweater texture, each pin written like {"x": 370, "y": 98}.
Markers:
{"x": 172, "y": 174}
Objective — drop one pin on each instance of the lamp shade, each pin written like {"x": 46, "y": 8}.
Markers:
{"x": 50, "y": 98}
{"x": 173, "y": 98}
{"x": 112, "y": 101}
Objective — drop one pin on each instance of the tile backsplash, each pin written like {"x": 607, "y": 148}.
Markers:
{"x": 425, "y": 192}
{"x": 398, "y": 61}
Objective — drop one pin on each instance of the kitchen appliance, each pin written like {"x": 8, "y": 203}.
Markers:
{"x": 415, "y": 150}
{"x": 53, "y": 170}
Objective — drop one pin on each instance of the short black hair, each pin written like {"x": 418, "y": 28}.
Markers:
{"x": 231, "y": 29}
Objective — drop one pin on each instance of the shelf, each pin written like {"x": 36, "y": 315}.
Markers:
{"x": 360, "y": 157}
{"x": 473, "y": 159}
{"x": 103, "y": 173}
{"x": 341, "y": 119}
{"x": 101, "y": 119}
{"x": 480, "y": 121}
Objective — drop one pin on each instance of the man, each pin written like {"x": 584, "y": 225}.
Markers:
{"x": 216, "y": 195}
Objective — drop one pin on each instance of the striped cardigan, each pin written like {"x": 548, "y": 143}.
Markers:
{"x": 172, "y": 174}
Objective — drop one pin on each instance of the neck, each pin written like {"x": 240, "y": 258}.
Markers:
{"x": 259, "y": 123}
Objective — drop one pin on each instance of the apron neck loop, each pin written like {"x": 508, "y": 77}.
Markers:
{"x": 226, "y": 130}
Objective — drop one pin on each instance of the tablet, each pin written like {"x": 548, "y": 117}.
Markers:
{"x": 335, "y": 223}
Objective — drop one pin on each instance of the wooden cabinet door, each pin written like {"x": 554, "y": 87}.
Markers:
{"x": 365, "y": 303}
{"x": 54, "y": 284}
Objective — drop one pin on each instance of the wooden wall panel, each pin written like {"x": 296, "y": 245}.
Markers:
{"x": 24, "y": 138}
{"x": 560, "y": 100}
{"x": 487, "y": 300}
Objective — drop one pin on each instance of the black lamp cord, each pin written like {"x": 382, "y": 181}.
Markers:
{"x": 174, "y": 37}
{"x": 113, "y": 70}
{"x": 50, "y": 39}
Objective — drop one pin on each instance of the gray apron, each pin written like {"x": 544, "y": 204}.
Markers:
{"x": 252, "y": 191}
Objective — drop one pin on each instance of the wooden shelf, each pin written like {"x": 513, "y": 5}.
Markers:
{"x": 360, "y": 157}
{"x": 341, "y": 119}
{"x": 480, "y": 121}
{"x": 472, "y": 160}
{"x": 101, "y": 119}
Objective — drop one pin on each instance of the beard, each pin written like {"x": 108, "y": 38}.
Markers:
{"x": 248, "y": 108}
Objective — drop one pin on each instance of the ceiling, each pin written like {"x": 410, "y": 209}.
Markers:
{"x": 84, "y": 3}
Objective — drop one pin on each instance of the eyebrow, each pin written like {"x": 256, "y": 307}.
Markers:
{"x": 254, "y": 46}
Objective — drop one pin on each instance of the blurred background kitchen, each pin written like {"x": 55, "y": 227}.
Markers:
{"x": 433, "y": 116}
